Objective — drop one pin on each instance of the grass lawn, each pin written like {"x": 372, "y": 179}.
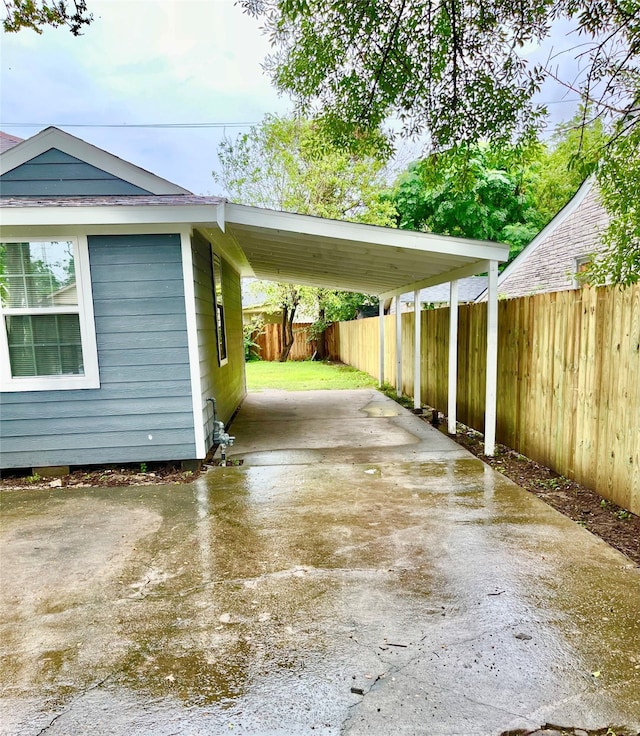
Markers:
{"x": 304, "y": 376}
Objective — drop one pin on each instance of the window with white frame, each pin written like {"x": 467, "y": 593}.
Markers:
{"x": 221, "y": 330}
{"x": 47, "y": 340}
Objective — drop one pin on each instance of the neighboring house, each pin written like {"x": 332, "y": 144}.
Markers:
{"x": 8, "y": 141}
{"x": 438, "y": 296}
{"x": 120, "y": 300}
{"x": 554, "y": 258}
{"x": 256, "y": 306}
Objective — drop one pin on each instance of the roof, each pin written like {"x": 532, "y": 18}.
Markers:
{"x": 524, "y": 255}
{"x": 128, "y": 200}
{"x": 468, "y": 290}
{"x": 52, "y": 137}
{"x": 276, "y": 246}
{"x": 8, "y": 141}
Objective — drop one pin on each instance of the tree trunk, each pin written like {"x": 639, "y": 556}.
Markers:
{"x": 321, "y": 341}
{"x": 288, "y": 313}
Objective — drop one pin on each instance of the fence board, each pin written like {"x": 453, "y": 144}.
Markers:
{"x": 568, "y": 378}
{"x": 269, "y": 342}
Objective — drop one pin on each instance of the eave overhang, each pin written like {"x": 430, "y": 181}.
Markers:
{"x": 276, "y": 246}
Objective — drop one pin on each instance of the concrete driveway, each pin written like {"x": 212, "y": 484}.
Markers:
{"x": 359, "y": 574}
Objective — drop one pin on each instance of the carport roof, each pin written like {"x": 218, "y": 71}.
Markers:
{"x": 279, "y": 246}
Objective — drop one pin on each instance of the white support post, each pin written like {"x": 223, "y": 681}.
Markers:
{"x": 398, "y": 346}
{"x": 492, "y": 361}
{"x": 453, "y": 357}
{"x": 381, "y": 352}
{"x": 417, "y": 324}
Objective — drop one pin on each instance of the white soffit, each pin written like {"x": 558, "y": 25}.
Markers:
{"x": 343, "y": 255}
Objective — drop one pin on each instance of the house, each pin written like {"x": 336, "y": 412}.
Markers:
{"x": 121, "y": 310}
{"x": 555, "y": 257}
{"x": 257, "y": 307}
{"x": 438, "y": 296}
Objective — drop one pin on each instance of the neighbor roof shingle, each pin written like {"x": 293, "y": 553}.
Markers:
{"x": 8, "y": 141}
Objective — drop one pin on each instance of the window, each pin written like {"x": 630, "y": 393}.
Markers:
{"x": 581, "y": 264}
{"x": 47, "y": 339}
{"x": 218, "y": 306}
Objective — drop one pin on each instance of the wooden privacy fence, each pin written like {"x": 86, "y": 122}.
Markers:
{"x": 568, "y": 378}
{"x": 269, "y": 342}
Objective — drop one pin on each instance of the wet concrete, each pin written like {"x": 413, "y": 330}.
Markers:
{"x": 362, "y": 588}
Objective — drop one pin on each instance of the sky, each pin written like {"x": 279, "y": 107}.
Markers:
{"x": 154, "y": 62}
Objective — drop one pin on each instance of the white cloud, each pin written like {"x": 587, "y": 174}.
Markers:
{"x": 140, "y": 62}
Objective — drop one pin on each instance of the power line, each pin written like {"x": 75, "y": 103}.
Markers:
{"x": 193, "y": 125}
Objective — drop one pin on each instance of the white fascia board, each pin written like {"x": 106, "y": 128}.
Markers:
{"x": 288, "y": 222}
{"x": 200, "y": 214}
{"x": 530, "y": 249}
{"x": 56, "y": 138}
{"x": 470, "y": 269}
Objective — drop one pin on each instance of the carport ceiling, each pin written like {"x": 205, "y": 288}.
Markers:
{"x": 343, "y": 255}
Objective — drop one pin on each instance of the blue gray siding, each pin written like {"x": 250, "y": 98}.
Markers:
{"x": 143, "y": 410}
{"x": 224, "y": 383}
{"x": 55, "y": 173}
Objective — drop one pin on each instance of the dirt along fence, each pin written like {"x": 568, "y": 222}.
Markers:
{"x": 269, "y": 342}
{"x": 568, "y": 378}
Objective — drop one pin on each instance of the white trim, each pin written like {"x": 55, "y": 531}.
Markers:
{"x": 492, "y": 362}
{"x": 453, "y": 358}
{"x": 471, "y": 269}
{"x": 381, "y": 343}
{"x": 121, "y": 214}
{"x": 91, "y": 377}
{"x": 192, "y": 342}
{"x": 398, "y": 347}
{"x": 216, "y": 272}
{"x": 288, "y": 222}
{"x": 571, "y": 206}
{"x": 417, "y": 326}
{"x": 405, "y": 247}
{"x": 69, "y": 144}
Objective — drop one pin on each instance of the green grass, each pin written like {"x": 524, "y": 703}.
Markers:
{"x": 304, "y": 376}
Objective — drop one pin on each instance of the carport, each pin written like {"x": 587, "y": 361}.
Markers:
{"x": 384, "y": 262}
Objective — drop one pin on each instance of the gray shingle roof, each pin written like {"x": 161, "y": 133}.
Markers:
{"x": 151, "y": 200}
{"x": 468, "y": 289}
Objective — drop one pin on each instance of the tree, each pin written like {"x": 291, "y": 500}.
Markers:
{"x": 482, "y": 193}
{"x": 290, "y": 164}
{"x": 619, "y": 181}
{"x": 458, "y": 71}
{"x": 498, "y": 192}
{"x": 38, "y": 14}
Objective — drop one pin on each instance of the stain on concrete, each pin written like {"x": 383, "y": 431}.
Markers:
{"x": 423, "y": 597}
